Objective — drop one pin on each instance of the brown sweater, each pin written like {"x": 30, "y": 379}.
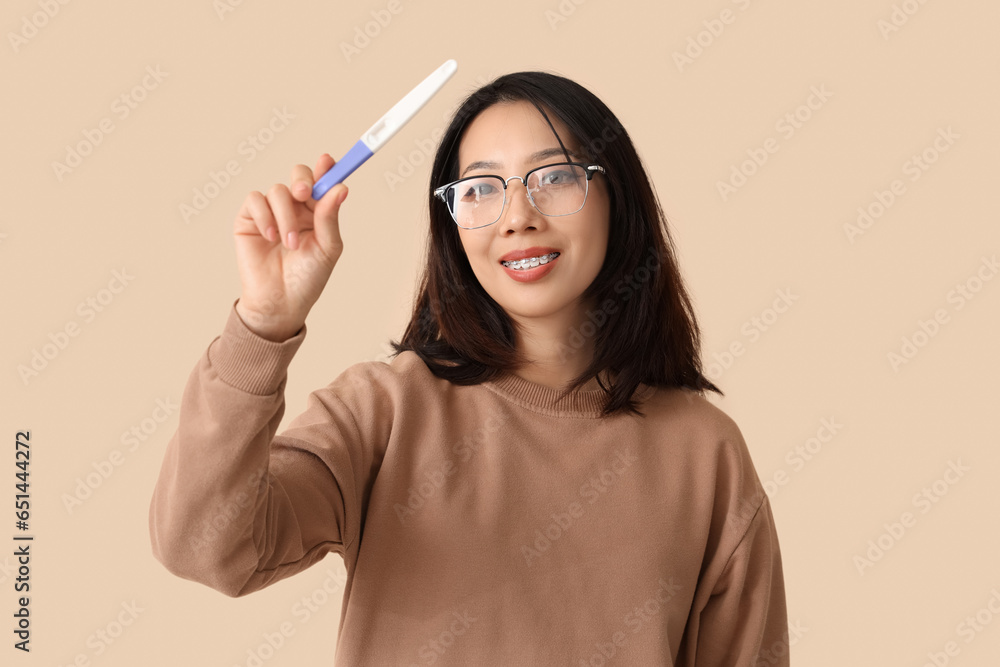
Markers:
{"x": 479, "y": 525}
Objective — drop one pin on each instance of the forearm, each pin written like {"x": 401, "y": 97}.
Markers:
{"x": 211, "y": 502}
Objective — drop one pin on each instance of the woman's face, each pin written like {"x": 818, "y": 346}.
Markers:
{"x": 509, "y": 139}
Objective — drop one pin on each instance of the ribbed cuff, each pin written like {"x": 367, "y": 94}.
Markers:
{"x": 248, "y": 362}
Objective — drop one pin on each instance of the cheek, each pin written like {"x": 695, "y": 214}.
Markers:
{"x": 477, "y": 256}
{"x": 480, "y": 270}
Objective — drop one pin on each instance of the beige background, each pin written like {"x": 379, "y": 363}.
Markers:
{"x": 888, "y": 94}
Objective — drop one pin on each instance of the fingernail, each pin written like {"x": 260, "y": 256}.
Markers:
{"x": 293, "y": 240}
{"x": 301, "y": 186}
{"x": 271, "y": 233}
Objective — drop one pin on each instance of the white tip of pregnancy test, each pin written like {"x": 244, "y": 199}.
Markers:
{"x": 389, "y": 124}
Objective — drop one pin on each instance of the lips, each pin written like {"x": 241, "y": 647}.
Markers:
{"x": 534, "y": 251}
{"x": 534, "y": 271}
{"x": 530, "y": 262}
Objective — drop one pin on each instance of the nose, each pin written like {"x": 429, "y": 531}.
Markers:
{"x": 518, "y": 211}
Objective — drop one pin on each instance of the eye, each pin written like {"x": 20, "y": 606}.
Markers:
{"x": 474, "y": 190}
{"x": 559, "y": 176}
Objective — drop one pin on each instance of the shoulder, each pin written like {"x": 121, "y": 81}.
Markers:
{"x": 402, "y": 378}
{"x": 374, "y": 397}
{"x": 711, "y": 448}
{"x": 691, "y": 413}
{"x": 404, "y": 368}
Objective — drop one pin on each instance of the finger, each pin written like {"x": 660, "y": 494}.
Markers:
{"x": 326, "y": 220}
{"x": 290, "y": 224}
{"x": 256, "y": 217}
{"x": 304, "y": 192}
{"x": 301, "y": 182}
{"x": 323, "y": 165}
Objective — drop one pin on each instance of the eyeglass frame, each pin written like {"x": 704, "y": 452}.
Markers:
{"x": 589, "y": 171}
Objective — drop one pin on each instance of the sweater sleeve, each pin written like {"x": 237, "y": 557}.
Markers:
{"x": 744, "y": 622}
{"x": 738, "y": 616}
{"x": 235, "y": 507}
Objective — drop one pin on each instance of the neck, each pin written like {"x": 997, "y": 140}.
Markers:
{"x": 556, "y": 349}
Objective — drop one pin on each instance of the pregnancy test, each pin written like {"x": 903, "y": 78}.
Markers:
{"x": 383, "y": 130}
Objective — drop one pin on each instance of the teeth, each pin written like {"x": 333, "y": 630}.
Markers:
{"x": 530, "y": 262}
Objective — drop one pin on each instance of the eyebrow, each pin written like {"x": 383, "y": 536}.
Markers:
{"x": 534, "y": 157}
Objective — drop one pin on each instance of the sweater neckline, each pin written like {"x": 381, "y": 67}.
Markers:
{"x": 539, "y": 398}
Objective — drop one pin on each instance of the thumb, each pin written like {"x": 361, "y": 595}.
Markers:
{"x": 326, "y": 220}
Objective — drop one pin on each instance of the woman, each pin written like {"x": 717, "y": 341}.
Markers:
{"x": 535, "y": 477}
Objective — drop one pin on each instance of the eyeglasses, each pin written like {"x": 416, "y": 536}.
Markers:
{"x": 553, "y": 189}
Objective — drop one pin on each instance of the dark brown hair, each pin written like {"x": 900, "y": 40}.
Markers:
{"x": 643, "y": 326}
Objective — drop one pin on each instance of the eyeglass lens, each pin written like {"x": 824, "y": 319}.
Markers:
{"x": 559, "y": 189}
